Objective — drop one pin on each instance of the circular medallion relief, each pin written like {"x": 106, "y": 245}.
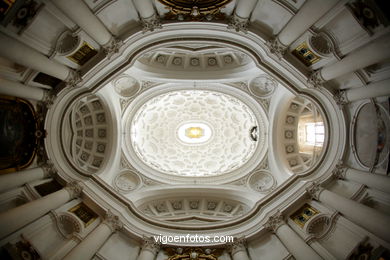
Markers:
{"x": 262, "y": 86}
{"x": 262, "y": 181}
{"x": 194, "y": 133}
{"x": 126, "y": 86}
{"x": 126, "y": 181}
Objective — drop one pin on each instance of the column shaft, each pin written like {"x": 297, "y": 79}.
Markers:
{"x": 295, "y": 245}
{"x": 240, "y": 255}
{"x": 244, "y": 8}
{"x": 368, "y": 218}
{"x": 376, "y": 89}
{"x": 374, "y": 181}
{"x": 308, "y": 14}
{"x": 16, "y": 179}
{"x": 91, "y": 244}
{"x": 80, "y": 13}
{"x": 144, "y": 7}
{"x": 146, "y": 255}
{"x": 16, "y": 218}
{"x": 22, "y": 54}
{"x": 367, "y": 55}
{"x": 13, "y": 88}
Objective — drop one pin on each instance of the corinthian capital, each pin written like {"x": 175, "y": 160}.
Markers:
{"x": 112, "y": 221}
{"x": 238, "y": 23}
{"x": 112, "y": 47}
{"x": 73, "y": 79}
{"x": 314, "y": 190}
{"x": 239, "y": 244}
{"x": 74, "y": 188}
{"x": 341, "y": 98}
{"x": 151, "y": 23}
{"x": 339, "y": 171}
{"x": 276, "y": 47}
{"x": 151, "y": 245}
{"x": 315, "y": 80}
{"x": 275, "y": 221}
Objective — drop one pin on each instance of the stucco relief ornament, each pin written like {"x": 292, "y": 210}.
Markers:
{"x": 274, "y": 221}
{"x": 239, "y": 24}
{"x": 239, "y": 244}
{"x": 112, "y": 47}
{"x": 74, "y": 188}
{"x": 113, "y": 221}
{"x": 315, "y": 80}
{"x": 276, "y": 47}
{"x": 314, "y": 190}
{"x": 151, "y": 245}
{"x": 341, "y": 98}
{"x": 151, "y": 23}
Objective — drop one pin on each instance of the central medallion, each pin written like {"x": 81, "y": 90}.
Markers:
{"x": 194, "y": 133}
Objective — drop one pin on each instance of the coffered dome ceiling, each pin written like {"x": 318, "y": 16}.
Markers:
{"x": 195, "y": 133}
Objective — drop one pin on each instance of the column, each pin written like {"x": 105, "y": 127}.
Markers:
{"x": 293, "y": 242}
{"x": 12, "y": 180}
{"x": 368, "y": 218}
{"x": 372, "y": 53}
{"x": 16, "y": 218}
{"x": 96, "y": 239}
{"x": 149, "y": 18}
{"x": 22, "y": 54}
{"x": 376, "y": 89}
{"x": 308, "y": 14}
{"x": 16, "y": 89}
{"x": 80, "y": 13}
{"x": 149, "y": 249}
{"x": 240, "y": 19}
{"x": 371, "y": 180}
{"x": 238, "y": 249}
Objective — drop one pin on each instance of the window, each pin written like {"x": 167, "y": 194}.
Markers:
{"x": 314, "y": 134}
